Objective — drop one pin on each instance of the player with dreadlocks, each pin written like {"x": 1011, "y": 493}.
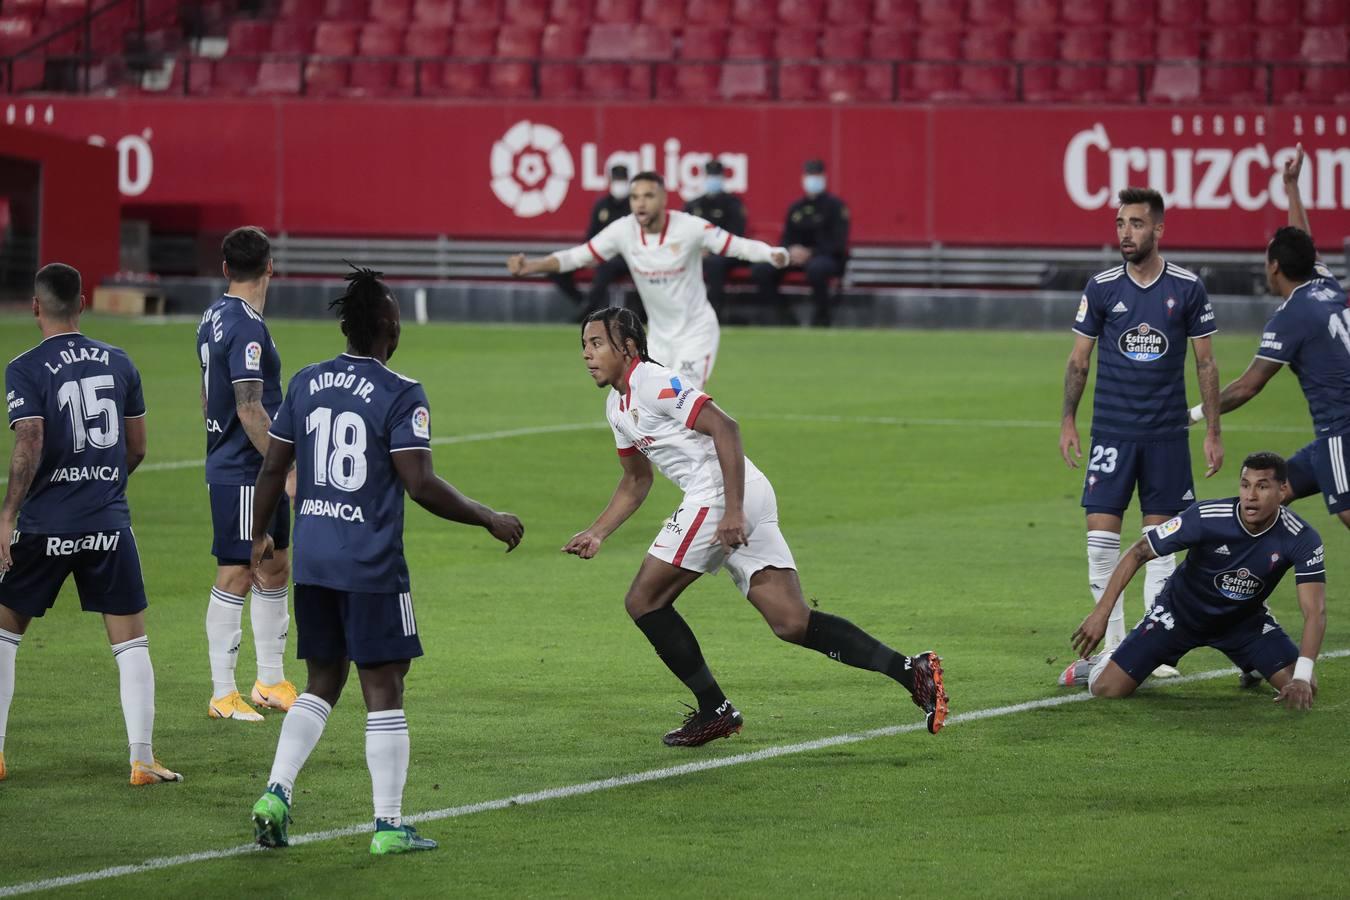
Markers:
{"x": 728, "y": 517}
{"x": 360, "y": 435}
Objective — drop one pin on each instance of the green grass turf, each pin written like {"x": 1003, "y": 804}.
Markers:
{"x": 928, "y": 528}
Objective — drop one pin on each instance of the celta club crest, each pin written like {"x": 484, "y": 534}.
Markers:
{"x": 1171, "y": 305}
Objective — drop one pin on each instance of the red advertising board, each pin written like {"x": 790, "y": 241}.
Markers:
{"x": 1010, "y": 175}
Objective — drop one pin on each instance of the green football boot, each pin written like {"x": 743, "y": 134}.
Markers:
{"x": 271, "y": 815}
{"x": 397, "y": 839}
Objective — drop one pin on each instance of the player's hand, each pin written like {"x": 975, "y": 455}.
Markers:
{"x": 516, "y": 265}
{"x": 1296, "y": 695}
{"x": 779, "y": 257}
{"x": 507, "y": 529}
{"x": 798, "y": 255}
{"x": 1068, "y": 440}
{"x": 1213, "y": 454}
{"x": 262, "y": 549}
{"x": 6, "y": 535}
{"x": 731, "y": 530}
{"x": 1294, "y": 166}
{"x": 1089, "y": 634}
{"x": 584, "y": 544}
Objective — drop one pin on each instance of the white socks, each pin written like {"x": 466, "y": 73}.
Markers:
{"x": 1156, "y": 573}
{"x": 1097, "y": 669}
{"x": 224, "y": 627}
{"x": 300, "y": 733}
{"x": 387, "y": 750}
{"x": 9, "y": 648}
{"x": 1103, "y": 551}
{"x": 270, "y": 618}
{"x": 138, "y": 695}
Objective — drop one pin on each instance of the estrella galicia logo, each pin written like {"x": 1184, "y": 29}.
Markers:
{"x": 1239, "y": 584}
{"x": 1143, "y": 343}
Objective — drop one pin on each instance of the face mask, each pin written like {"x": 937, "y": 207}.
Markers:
{"x": 713, "y": 184}
{"x": 813, "y": 184}
{"x": 619, "y": 190}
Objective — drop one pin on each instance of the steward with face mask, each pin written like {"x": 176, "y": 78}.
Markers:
{"x": 816, "y": 237}
{"x": 727, "y": 212}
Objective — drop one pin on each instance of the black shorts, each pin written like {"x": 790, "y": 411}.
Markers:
{"x": 365, "y": 628}
{"x": 106, "y": 566}
{"x": 232, "y": 523}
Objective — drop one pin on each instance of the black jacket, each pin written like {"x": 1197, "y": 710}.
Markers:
{"x": 722, "y": 209}
{"x": 820, "y": 223}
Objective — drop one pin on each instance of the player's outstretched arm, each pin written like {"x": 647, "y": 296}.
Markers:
{"x": 1299, "y": 691}
{"x": 520, "y": 267}
{"x": 632, "y": 490}
{"x": 1245, "y": 387}
{"x": 726, "y": 435}
{"x": 277, "y": 459}
{"x": 23, "y": 465}
{"x": 1090, "y": 633}
{"x": 1298, "y": 216}
{"x": 1075, "y": 380}
{"x": 440, "y": 498}
{"x": 1207, "y": 374}
{"x": 254, "y": 419}
{"x": 717, "y": 240}
{"x": 134, "y": 429}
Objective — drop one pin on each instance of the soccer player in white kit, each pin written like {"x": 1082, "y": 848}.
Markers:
{"x": 664, "y": 250}
{"x": 728, "y": 517}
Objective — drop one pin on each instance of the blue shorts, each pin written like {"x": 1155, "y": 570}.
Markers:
{"x": 365, "y": 628}
{"x": 1322, "y": 467}
{"x": 232, "y": 523}
{"x": 1256, "y": 643}
{"x": 1162, "y": 469}
{"x": 106, "y": 566}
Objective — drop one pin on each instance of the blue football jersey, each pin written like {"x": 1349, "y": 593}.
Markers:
{"x": 1141, "y": 333}
{"x": 1229, "y": 572}
{"x": 347, "y": 417}
{"x": 83, "y": 390}
{"x": 1310, "y": 332}
{"x": 233, "y": 345}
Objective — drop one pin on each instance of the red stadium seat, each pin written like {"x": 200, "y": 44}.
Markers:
{"x": 248, "y": 36}
{"x": 622, "y": 12}
{"x": 511, "y": 80}
{"x": 1129, "y": 48}
{"x": 1175, "y": 83}
{"x": 1275, "y": 46}
{"x": 233, "y": 76}
{"x": 749, "y": 43}
{"x": 421, "y": 78}
{"x": 652, "y": 42}
{"x": 1043, "y": 13}
{"x": 796, "y": 43}
{"x": 1038, "y": 81}
{"x": 990, "y": 13}
{"x": 299, "y": 11}
{"x": 856, "y": 83}
{"x": 427, "y": 40}
{"x": 1228, "y": 12}
{"x": 519, "y": 42}
{"x": 567, "y": 12}
{"x": 30, "y": 9}
{"x": 709, "y": 12}
{"x": 931, "y": 79}
{"x": 380, "y": 39}
{"x": 744, "y": 81}
{"x": 196, "y": 71}
{"x": 1324, "y": 45}
{"x": 1228, "y": 75}
{"x": 899, "y": 13}
{"x": 65, "y": 10}
{"x": 1325, "y": 84}
{"x": 1133, "y": 14}
{"x": 477, "y": 12}
{"x": 1175, "y": 45}
{"x": 15, "y": 32}
{"x": 844, "y": 42}
{"x": 797, "y": 83}
{"x": 1315, "y": 12}
{"x": 848, "y": 12}
{"x": 690, "y": 83}
{"x": 525, "y": 12}
{"x": 336, "y": 38}
{"x": 1085, "y": 15}
{"x": 1180, "y": 13}
{"x": 559, "y": 81}
{"x": 392, "y": 12}
{"x": 752, "y": 14}
{"x": 803, "y": 13}
{"x": 344, "y": 10}
{"x": 1277, "y": 13}
{"x": 705, "y": 43}
{"x": 322, "y": 78}
{"x": 464, "y": 80}
{"x": 609, "y": 41}
{"x": 612, "y": 81}
{"x": 941, "y": 13}
{"x": 986, "y": 82}
{"x": 563, "y": 42}
{"x": 291, "y": 37}
{"x": 473, "y": 42}
{"x": 1087, "y": 80}
{"x": 891, "y": 43}
{"x": 440, "y": 13}
{"x": 668, "y": 14}
{"x": 371, "y": 78}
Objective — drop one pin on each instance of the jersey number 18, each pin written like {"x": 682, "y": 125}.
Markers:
{"x": 339, "y": 448}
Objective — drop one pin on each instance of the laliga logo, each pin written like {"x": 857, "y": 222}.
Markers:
{"x": 531, "y": 168}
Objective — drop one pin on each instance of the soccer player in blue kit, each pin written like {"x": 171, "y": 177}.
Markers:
{"x": 78, "y": 415}
{"x": 1238, "y": 550}
{"x": 360, "y": 435}
{"x": 1141, "y": 313}
{"x": 241, "y": 390}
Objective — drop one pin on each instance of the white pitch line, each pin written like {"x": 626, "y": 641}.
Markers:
{"x": 592, "y": 787}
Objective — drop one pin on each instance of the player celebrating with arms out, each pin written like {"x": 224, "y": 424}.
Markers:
{"x": 729, "y": 516}
{"x": 360, "y": 435}
{"x": 664, "y": 250}
{"x": 1143, "y": 312}
{"x": 1239, "y": 549}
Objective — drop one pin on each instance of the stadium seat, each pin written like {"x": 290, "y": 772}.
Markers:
{"x": 440, "y": 13}
{"x": 29, "y": 9}
{"x": 1086, "y": 81}
{"x": 748, "y": 43}
{"x": 1038, "y": 44}
{"x": 421, "y": 78}
{"x": 844, "y": 43}
{"x": 391, "y": 12}
{"x": 299, "y": 11}
{"x": 511, "y": 80}
{"x": 371, "y": 78}
{"x": 930, "y": 80}
{"x": 798, "y": 83}
{"x": 1180, "y": 13}
{"x": 1129, "y": 49}
{"x": 668, "y": 14}
{"x": 249, "y": 36}
{"x": 567, "y": 12}
{"x": 1084, "y": 15}
{"x": 559, "y": 81}
{"x": 197, "y": 72}
{"x": 467, "y": 80}
{"x": 990, "y": 13}
{"x": 614, "y": 82}
{"x": 709, "y": 12}
{"x": 344, "y": 10}
{"x": 941, "y": 13}
{"x": 619, "y": 12}
{"x": 1315, "y": 12}
{"x": 477, "y": 12}
{"x": 1039, "y": 13}
{"x": 1326, "y": 82}
{"x": 1175, "y": 83}
{"x": 65, "y": 11}
{"x": 1231, "y": 13}
{"x": 689, "y": 83}
{"x": 1279, "y": 47}
{"x": 802, "y": 13}
{"x": 563, "y": 42}
{"x": 986, "y": 82}
{"x": 15, "y": 32}
{"x": 855, "y": 83}
{"x": 1277, "y": 13}
{"x": 519, "y": 42}
{"x": 652, "y": 42}
{"x": 891, "y": 44}
{"x": 1177, "y": 44}
{"x": 525, "y": 12}
{"x": 848, "y": 12}
{"x": 232, "y": 77}
{"x": 380, "y": 39}
{"x": 1228, "y": 74}
{"x": 705, "y": 43}
{"x": 473, "y": 42}
{"x": 427, "y": 41}
{"x": 1134, "y": 14}
{"x": 752, "y": 13}
{"x": 336, "y": 38}
{"x": 744, "y": 81}
{"x": 796, "y": 43}
{"x": 898, "y": 13}
{"x": 609, "y": 41}
{"x": 290, "y": 36}
{"x": 322, "y": 79}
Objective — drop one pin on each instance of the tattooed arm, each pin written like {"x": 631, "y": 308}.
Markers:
{"x": 1207, "y": 373}
{"x": 23, "y": 465}
{"x": 1075, "y": 380}
{"x": 248, "y": 405}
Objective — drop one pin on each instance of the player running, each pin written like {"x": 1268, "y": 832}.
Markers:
{"x": 1238, "y": 550}
{"x": 241, "y": 388}
{"x": 664, "y": 250}
{"x": 78, "y": 415}
{"x": 359, "y": 434}
{"x": 729, "y": 516}
{"x": 1143, "y": 312}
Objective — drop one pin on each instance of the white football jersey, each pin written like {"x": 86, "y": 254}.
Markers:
{"x": 653, "y": 414}
{"x": 667, "y": 268}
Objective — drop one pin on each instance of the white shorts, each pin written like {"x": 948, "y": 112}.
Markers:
{"x": 689, "y": 538}
{"x": 691, "y": 357}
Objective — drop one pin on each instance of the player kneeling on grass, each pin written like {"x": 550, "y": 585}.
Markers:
{"x": 729, "y": 516}
{"x": 1239, "y": 549}
{"x": 359, "y": 434}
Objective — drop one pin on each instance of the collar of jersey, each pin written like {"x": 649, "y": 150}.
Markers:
{"x": 1144, "y": 287}
{"x": 62, "y": 334}
{"x": 1237, "y": 511}
{"x": 626, "y": 400}
{"x": 642, "y": 232}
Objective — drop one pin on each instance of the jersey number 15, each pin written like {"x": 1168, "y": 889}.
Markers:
{"x": 82, "y": 403}
{"x": 339, "y": 448}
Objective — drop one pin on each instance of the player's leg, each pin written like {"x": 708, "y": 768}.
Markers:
{"x": 1261, "y": 649}
{"x": 715, "y": 271}
{"x": 13, "y": 625}
{"x": 1157, "y": 640}
{"x": 1166, "y": 487}
{"x": 231, "y": 544}
{"x": 1108, "y": 484}
{"x": 767, "y": 278}
{"x": 602, "y": 276}
{"x": 1303, "y": 474}
{"x": 270, "y": 617}
{"x": 819, "y": 271}
{"x": 27, "y": 591}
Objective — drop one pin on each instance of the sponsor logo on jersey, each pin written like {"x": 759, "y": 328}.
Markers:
{"x": 99, "y": 543}
{"x": 1170, "y": 527}
{"x": 1119, "y": 308}
{"x": 421, "y": 423}
{"x": 1143, "y": 343}
{"x": 1082, "y": 309}
{"x": 673, "y": 391}
{"x": 1239, "y": 584}
{"x": 87, "y": 473}
{"x": 1270, "y": 341}
{"x": 1318, "y": 557}
{"x": 1222, "y": 550}
{"x": 688, "y": 392}
{"x": 13, "y": 401}
{"x": 253, "y": 356}
{"x": 347, "y": 512}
